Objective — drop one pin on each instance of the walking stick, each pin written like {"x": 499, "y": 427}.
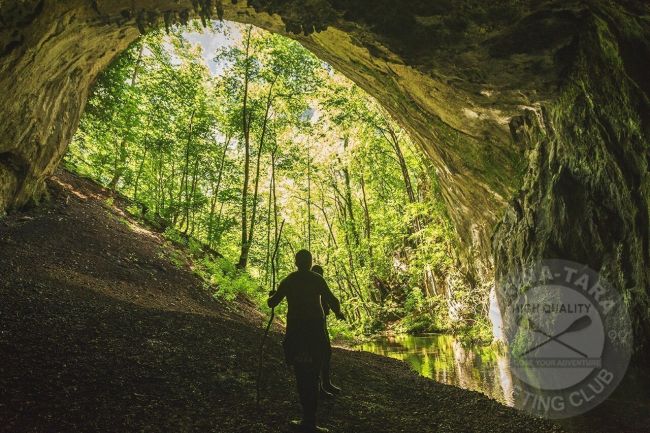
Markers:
{"x": 268, "y": 325}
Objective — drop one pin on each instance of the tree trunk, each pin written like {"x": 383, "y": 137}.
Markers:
{"x": 189, "y": 209}
{"x": 408, "y": 185}
{"x": 246, "y": 246}
{"x": 141, "y": 165}
{"x": 120, "y": 157}
{"x": 348, "y": 197}
{"x": 185, "y": 174}
{"x": 246, "y": 120}
{"x": 308, "y": 199}
{"x": 366, "y": 214}
{"x": 215, "y": 192}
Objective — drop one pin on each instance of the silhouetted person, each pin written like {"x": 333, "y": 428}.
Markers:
{"x": 305, "y": 341}
{"x": 327, "y": 388}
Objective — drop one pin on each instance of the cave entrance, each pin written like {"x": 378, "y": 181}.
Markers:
{"x": 56, "y": 52}
{"x": 182, "y": 121}
{"x": 569, "y": 89}
{"x": 221, "y": 138}
{"x": 52, "y": 53}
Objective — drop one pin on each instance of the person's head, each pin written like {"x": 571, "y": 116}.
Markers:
{"x": 303, "y": 260}
{"x": 318, "y": 269}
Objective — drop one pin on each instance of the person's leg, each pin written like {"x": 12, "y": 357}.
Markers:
{"x": 326, "y": 383}
{"x": 307, "y": 383}
{"x": 325, "y": 371}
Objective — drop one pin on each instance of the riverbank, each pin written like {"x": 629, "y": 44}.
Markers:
{"x": 101, "y": 332}
{"x": 486, "y": 369}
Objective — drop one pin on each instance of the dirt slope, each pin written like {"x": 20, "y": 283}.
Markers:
{"x": 99, "y": 332}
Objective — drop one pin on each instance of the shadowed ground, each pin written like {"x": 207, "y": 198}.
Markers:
{"x": 99, "y": 332}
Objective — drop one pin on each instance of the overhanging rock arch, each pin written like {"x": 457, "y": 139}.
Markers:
{"x": 535, "y": 114}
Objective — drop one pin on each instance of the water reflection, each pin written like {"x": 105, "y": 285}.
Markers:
{"x": 443, "y": 358}
{"x": 487, "y": 370}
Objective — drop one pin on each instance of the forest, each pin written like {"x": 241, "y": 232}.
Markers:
{"x": 256, "y": 143}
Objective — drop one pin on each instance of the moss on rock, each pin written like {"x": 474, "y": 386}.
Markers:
{"x": 586, "y": 194}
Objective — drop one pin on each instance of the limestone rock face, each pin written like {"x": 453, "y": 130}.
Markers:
{"x": 586, "y": 193}
{"x": 534, "y": 113}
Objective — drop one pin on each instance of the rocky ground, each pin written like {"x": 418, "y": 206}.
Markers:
{"x": 100, "y": 332}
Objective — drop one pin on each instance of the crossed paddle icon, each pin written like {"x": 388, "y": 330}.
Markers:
{"x": 577, "y": 325}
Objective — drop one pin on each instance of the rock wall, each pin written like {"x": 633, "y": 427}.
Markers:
{"x": 50, "y": 54}
{"x": 586, "y": 194}
{"x": 543, "y": 101}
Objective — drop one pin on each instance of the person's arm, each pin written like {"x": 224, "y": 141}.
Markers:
{"x": 275, "y": 297}
{"x": 332, "y": 301}
{"x": 326, "y": 306}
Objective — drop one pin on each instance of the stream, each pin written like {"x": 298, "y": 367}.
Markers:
{"x": 486, "y": 369}
{"x": 443, "y": 358}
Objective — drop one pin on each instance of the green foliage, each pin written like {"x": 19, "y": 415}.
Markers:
{"x": 480, "y": 331}
{"x": 218, "y": 161}
{"x": 228, "y": 280}
{"x": 220, "y": 275}
{"x": 340, "y": 330}
{"x": 415, "y": 301}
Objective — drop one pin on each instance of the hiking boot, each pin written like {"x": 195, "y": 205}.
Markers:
{"x": 326, "y": 395}
{"x": 298, "y": 425}
{"x": 330, "y": 388}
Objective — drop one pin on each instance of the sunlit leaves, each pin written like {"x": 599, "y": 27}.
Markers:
{"x": 348, "y": 181}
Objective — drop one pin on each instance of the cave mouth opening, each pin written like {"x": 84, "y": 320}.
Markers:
{"x": 56, "y": 52}
{"x": 219, "y": 132}
{"x": 548, "y": 136}
{"x": 512, "y": 127}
